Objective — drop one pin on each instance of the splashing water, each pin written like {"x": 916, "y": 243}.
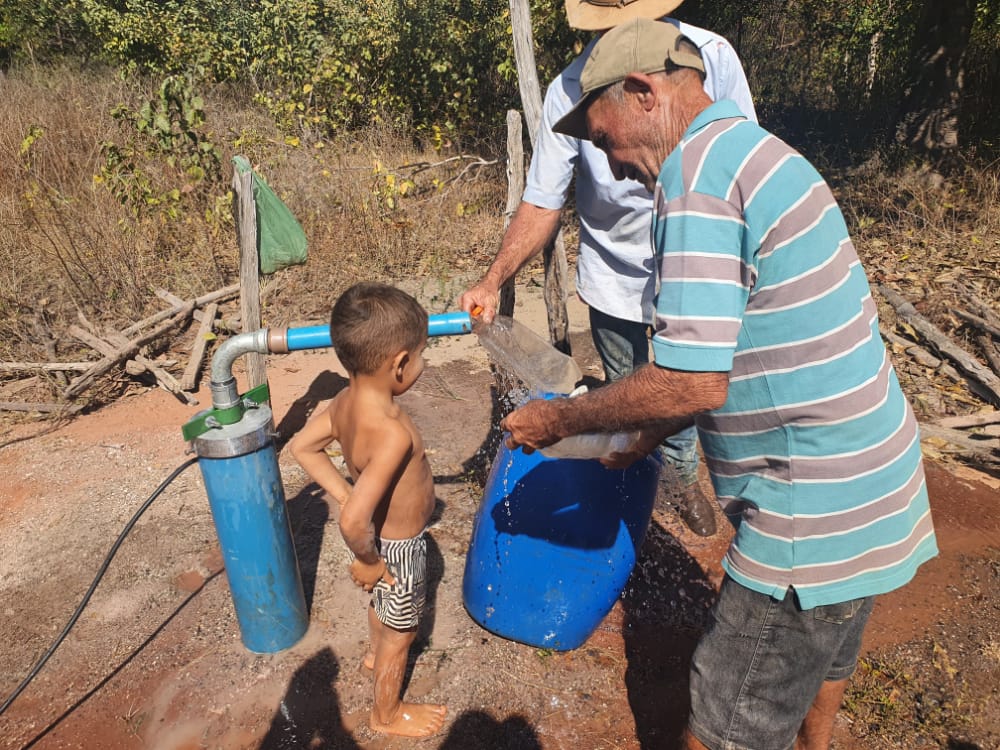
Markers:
{"x": 532, "y": 359}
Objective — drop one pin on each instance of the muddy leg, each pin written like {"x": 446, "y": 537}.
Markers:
{"x": 390, "y": 715}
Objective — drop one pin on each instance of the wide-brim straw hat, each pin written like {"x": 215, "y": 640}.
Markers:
{"x": 598, "y": 15}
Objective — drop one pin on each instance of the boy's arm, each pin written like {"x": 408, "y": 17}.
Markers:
{"x": 373, "y": 487}
{"x": 308, "y": 447}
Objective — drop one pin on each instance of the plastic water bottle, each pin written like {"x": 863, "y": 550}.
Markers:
{"x": 532, "y": 359}
{"x": 591, "y": 445}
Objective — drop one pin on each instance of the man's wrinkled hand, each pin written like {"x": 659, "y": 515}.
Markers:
{"x": 480, "y": 301}
{"x": 534, "y": 425}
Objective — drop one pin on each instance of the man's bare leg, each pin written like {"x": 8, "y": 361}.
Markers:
{"x": 390, "y": 715}
{"x": 816, "y": 731}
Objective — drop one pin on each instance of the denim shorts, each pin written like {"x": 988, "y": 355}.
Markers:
{"x": 761, "y": 662}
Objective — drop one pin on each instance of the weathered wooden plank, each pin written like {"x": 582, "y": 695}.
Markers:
{"x": 245, "y": 211}
{"x": 189, "y": 380}
{"x": 45, "y": 366}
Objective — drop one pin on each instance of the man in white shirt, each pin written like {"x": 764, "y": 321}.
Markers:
{"x": 616, "y": 275}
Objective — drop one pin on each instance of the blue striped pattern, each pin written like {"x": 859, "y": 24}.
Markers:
{"x": 816, "y": 453}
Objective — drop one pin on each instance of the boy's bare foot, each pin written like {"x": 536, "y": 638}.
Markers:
{"x": 413, "y": 720}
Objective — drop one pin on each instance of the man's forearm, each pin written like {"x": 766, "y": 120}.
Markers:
{"x": 530, "y": 230}
{"x": 652, "y": 399}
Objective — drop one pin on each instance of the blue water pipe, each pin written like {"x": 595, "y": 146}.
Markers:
{"x": 317, "y": 337}
{"x": 234, "y": 441}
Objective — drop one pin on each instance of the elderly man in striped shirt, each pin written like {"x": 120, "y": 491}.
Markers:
{"x": 766, "y": 338}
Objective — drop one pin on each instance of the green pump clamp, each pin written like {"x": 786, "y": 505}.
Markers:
{"x": 211, "y": 419}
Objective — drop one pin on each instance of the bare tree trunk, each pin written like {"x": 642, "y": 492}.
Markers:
{"x": 928, "y": 118}
{"x": 515, "y": 187}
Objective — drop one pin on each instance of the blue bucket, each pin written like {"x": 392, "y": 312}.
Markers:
{"x": 553, "y": 544}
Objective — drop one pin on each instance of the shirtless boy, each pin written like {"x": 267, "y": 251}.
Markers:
{"x": 379, "y": 333}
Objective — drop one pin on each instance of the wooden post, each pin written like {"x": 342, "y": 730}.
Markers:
{"x": 556, "y": 268}
{"x": 245, "y": 211}
{"x": 515, "y": 187}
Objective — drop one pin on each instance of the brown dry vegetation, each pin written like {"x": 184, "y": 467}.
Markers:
{"x": 67, "y": 245}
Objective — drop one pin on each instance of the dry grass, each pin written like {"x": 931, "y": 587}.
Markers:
{"x": 68, "y": 246}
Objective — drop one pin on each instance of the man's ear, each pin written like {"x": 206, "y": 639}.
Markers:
{"x": 640, "y": 86}
{"x": 399, "y": 363}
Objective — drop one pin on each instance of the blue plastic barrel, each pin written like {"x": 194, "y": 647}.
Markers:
{"x": 553, "y": 544}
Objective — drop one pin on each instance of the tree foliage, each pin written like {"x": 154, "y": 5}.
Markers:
{"x": 445, "y": 67}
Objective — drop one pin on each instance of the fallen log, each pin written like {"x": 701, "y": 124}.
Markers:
{"x": 16, "y": 386}
{"x": 944, "y": 345}
{"x": 990, "y": 352}
{"x": 980, "y": 448}
{"x": 976, "y": 321}
{"x": 977, "y": 304}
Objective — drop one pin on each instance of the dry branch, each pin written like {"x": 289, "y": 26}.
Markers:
{"x": 135, "y": 366}
{"x": 977, "y": 305}
{"x": 990, "y": 352}
{"x": 163, "y": 377}
{"x": 944, "y": 345}
{"x": 980, "y": 323}
{"x": 216, "y": 296}
{"x": 970, "y": 420}
{"x": 41, "y": 408}
{"x": 980, "y": 448}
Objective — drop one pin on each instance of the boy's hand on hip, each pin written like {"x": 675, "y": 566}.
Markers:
{"x": 366, "y": 575}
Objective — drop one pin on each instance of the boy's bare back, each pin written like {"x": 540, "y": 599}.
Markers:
{"x": 385, "y": 456}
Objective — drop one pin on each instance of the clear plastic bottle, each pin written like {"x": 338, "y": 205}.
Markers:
{"x": 591, "y": 445}
{"x": 532, "y": 359}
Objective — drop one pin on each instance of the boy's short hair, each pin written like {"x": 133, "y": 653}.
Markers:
{"x": 371, "y": 322}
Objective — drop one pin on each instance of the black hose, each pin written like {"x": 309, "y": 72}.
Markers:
{"x": 100, "y": 574}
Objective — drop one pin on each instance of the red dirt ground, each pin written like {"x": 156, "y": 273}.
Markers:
{"x": 156, "y": 661}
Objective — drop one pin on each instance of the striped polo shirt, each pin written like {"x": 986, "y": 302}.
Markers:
{"x": 815, "y": 455}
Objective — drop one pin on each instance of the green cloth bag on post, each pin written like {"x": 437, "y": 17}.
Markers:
{"x": 280, "y": 239}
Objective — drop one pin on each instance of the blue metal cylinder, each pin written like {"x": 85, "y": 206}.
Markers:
{"x": 318, "y": 337}
{"x": 553, "y": 544}
{"x": 240, "y": 467}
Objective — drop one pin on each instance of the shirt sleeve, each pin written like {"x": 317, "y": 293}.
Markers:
{"x": 731, "y": 80}
{"x": 705, "y": 282}
{"x": 555, "y": 155}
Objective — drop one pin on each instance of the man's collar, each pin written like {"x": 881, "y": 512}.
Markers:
{"x": 721, "y": 110}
